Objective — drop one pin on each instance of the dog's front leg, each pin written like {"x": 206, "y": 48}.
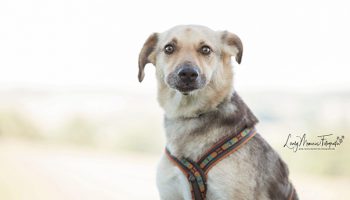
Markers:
{"x": 171, "y": 182}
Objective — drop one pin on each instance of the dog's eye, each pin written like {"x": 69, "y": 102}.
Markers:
{"x": 169, "y": 49}
{"x": 205, "y": 50}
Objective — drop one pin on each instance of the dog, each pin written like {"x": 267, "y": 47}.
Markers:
{"x": 195, "y": 88}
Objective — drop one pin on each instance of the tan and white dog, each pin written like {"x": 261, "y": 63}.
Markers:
{"x": 195, "y": 89}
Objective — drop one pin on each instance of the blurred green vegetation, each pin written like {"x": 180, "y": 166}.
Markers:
{"x": 78, "y": 130}
{"x": 16, "y": 124}
{"x": 145, "y": 137}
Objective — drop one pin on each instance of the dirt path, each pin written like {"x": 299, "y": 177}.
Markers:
{"x": 45, "y": 172}
{"x": 32, "y": 171}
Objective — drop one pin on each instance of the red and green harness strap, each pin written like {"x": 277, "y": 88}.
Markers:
{"x": 196, "y": 172}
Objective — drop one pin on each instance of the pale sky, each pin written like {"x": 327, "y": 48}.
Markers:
{"x": 95, "y": 43}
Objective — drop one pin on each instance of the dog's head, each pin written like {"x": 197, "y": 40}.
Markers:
{"x": 187, "y": 56}
{"x": 191, "y": 58}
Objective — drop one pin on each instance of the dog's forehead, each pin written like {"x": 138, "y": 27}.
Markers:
{"x": 189, "y": 34}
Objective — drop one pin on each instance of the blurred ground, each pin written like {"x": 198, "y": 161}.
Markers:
{"x": 36, "y": 171}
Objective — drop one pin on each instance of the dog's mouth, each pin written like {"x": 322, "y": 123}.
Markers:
{"x": 185, "y": 89}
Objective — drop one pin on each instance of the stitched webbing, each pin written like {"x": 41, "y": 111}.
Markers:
{"x": 196, "y": 172}
{"x": 224, "y": 148}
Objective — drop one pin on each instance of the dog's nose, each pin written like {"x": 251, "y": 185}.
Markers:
{"x": 188, "y": 74}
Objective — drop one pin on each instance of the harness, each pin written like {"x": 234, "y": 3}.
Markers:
{"x": 196, "y": 172}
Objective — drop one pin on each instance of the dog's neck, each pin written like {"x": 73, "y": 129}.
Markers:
{"x": 178, "y": 105}
{"x": 190, "y": 136}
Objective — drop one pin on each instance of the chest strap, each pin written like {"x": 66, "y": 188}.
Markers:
{"x": 196, "y": 172}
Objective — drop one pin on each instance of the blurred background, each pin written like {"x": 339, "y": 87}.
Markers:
{"x": 76, "y": 124}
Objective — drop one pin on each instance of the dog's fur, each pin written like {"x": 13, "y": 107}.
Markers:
{"x": 196, "y": 119}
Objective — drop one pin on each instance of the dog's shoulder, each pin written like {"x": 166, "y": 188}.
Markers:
{"x": 275, "y": 170}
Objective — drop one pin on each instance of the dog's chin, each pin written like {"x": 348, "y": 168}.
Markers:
{"x": 186, "y": 90}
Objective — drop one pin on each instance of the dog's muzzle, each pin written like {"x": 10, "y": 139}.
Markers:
{"x": 186, "y": 78}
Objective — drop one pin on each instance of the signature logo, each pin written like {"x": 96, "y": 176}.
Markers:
{"x": 321, "y": 142}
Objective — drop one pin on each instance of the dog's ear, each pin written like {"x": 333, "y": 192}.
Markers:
{"x": 232, "y": 45}
{"x": 147, "y": 54}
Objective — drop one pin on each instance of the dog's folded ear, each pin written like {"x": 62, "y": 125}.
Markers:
{"x": 147, "y": 54}
{"x": 232, "y": 45}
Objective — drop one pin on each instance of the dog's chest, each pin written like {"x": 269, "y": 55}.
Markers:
{"x": 229, "y": 179}
{"x": 191, "y": 139}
